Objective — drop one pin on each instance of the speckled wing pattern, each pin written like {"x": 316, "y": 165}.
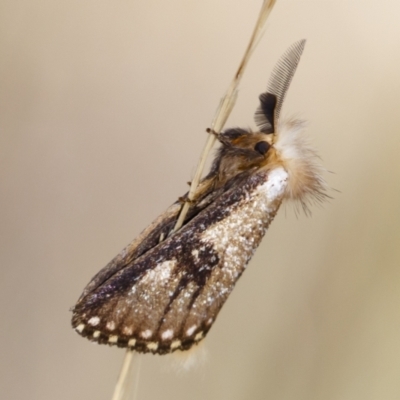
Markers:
{"x": 168, "y": 298}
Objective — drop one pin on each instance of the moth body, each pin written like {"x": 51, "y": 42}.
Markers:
{"x": 163, "y": 292}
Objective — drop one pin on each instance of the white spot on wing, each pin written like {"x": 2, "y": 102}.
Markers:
{"x": 80, "y": 327}
{"x": 132, "y": 342}
{"x": 127, "y": 330}
{"x": 167, "y": 334}
{"x": 96, "y": 334}
{"x": 160, "y": 273}
{"x": 190, "y": 331}
{"x": 94, "y": 321}
{"x": 146, "y": 334}
{"x": 276, "y": 184}
{"x": 195, "y": 254}
{"x": 110, "y": 325}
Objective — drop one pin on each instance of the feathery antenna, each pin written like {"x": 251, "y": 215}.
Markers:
{"x": 278, "y": 85}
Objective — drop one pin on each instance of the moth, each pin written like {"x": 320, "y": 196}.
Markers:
{"x": 164, "y": 291}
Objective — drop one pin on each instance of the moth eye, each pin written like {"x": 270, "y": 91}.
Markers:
{"x": 262, "y": 147}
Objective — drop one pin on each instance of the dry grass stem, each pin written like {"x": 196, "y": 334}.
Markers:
{"x": 124, "y": 389}
{"x": 226, "y": 106}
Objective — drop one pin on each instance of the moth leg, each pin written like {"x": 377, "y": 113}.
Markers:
{"x": 184, "y": 200}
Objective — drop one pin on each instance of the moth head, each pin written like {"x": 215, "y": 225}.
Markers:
{"x": 277, "y": 143}
{"x": 241, "y": 150}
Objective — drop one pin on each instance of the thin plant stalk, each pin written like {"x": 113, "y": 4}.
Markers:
{"x": 226, "y": 106}
{"x": 222, "y": 114}
{"x": 123, "y": 375}
{"x": 128, "y": 380}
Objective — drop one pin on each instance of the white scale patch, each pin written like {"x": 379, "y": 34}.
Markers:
{"x": 190, "y": 331}
{"x": 132, "y": 342}
{"x": 167, "y": 334}
{"x": 94, "y": 321}
{"x": 146, "y": 334}
{"x": 127, "y": 331}
{"x": 110, "y": 325}
{"x": 80, "y": 327}
{"x": 96, "y": 334}
{"x": 195, "y": 254}
{"x": 275, "y": 185}
{"x": 160, "y": 273}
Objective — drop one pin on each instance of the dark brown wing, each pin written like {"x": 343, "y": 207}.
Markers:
{"x": 158, "y": 230}
{"x": 168, "y": 298}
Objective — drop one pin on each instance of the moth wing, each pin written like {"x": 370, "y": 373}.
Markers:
{"x": 267, "y": 114}
{"x": 157, "y": 231}
{"x": 168, "y": 298}
{"x": 147, "y": 239}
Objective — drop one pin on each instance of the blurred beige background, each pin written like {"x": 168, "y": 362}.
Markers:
{"x": 103, "y": 107}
